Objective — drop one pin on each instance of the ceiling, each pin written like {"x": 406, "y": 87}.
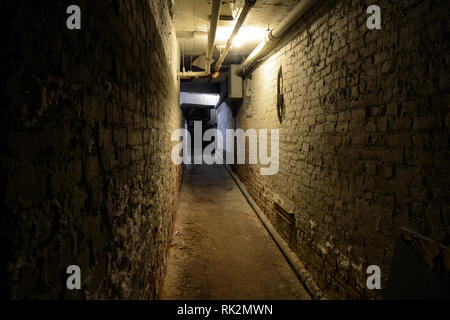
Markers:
{"x": 192, "y": 25}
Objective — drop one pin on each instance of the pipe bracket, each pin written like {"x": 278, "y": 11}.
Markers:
{"x": 271, "y": 37}
{"x": 250, "y": 3}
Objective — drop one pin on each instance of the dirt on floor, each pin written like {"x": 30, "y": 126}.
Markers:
{"x": 220, "y": 249}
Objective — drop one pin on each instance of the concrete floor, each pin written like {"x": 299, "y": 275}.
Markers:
{"x": 220, "y": 249}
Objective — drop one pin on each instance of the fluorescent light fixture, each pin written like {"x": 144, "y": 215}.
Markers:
{"x": 199, "y": 98}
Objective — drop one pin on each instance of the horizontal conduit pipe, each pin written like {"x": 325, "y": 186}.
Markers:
{"x": 274, "y": 35}
{"x": 245, "y": 11}
{"x": 193, "y": 74}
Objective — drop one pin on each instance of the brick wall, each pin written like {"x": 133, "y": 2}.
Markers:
{"x": 86, "y": 123}
{"x": 364, "y": 145}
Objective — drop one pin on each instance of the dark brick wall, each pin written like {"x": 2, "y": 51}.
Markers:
{"x": 86, "y": 169}
{"x": 364, "y": 146}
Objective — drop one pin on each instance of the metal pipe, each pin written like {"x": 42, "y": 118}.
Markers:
{"x": 274, "y": 35}
{"x": 215, "y": 14}
{"x": 193, "y": 74}
{"x": 245, "y": 11}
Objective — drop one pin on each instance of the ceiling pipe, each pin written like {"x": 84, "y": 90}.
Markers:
{"x": 215, "y": 14}
{"x": 193, "y": 74}
{"x": 245, "y": 11}
{"x": 274, "y": 35}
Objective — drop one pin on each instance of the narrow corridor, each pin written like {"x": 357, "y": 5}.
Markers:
{"x": 220, "y": 249}
{"x": 334, "y": 114}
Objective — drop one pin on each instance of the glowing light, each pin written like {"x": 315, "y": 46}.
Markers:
{"x": 245, "y": 35}
{"x": 223, "y": 33}
{"x": 199, "y": 98}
